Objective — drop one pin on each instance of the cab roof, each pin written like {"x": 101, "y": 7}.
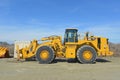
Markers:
{"x": 71, "y": 29}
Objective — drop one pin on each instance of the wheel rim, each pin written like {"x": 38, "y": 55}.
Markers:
{"x": 44, "y": 54}
{"x": 87, "y": 55}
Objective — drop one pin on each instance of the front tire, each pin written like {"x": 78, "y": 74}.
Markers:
{"x": 86, "y": 54}
{"x": 45, "y": 55}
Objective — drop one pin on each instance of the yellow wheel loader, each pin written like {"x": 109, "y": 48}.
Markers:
{"x": 4, "y": 52}
{"x": 72, "y": 47}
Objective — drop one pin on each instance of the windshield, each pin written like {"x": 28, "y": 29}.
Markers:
{"x": 70, "y": 35}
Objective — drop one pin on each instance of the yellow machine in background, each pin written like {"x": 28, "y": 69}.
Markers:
{"x": 4, "y": 53}
{"x": 84, "y": 50}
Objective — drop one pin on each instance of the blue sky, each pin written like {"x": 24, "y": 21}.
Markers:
{"x": 33, "y": 19}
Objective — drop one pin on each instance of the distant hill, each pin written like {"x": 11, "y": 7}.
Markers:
{"x": 113, "y": 47}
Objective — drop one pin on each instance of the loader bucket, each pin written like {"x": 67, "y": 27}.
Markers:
{"x": 4, "y": 53}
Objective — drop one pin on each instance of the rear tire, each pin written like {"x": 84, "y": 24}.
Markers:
{"x": 45, "y": 55}
{"x": 86, "y": 54}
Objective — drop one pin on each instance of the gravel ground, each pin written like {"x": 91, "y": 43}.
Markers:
{"x": 104, "y": 69}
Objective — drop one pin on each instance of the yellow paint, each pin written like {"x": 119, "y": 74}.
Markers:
{"x": 68, "y": 49}
{"x": 87, "y": 55}
{"x": 3, "y": 51}
{"x": 44, "y": 54}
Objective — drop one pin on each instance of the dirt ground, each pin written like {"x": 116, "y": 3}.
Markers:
{"x": 104, "y": 69}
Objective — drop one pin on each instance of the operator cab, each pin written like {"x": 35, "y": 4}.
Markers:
{"x": 71, "y": 35}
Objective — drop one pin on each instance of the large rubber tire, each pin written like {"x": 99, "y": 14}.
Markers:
{"x": 50, "y": 58}
{"x": 80, "y": 54}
